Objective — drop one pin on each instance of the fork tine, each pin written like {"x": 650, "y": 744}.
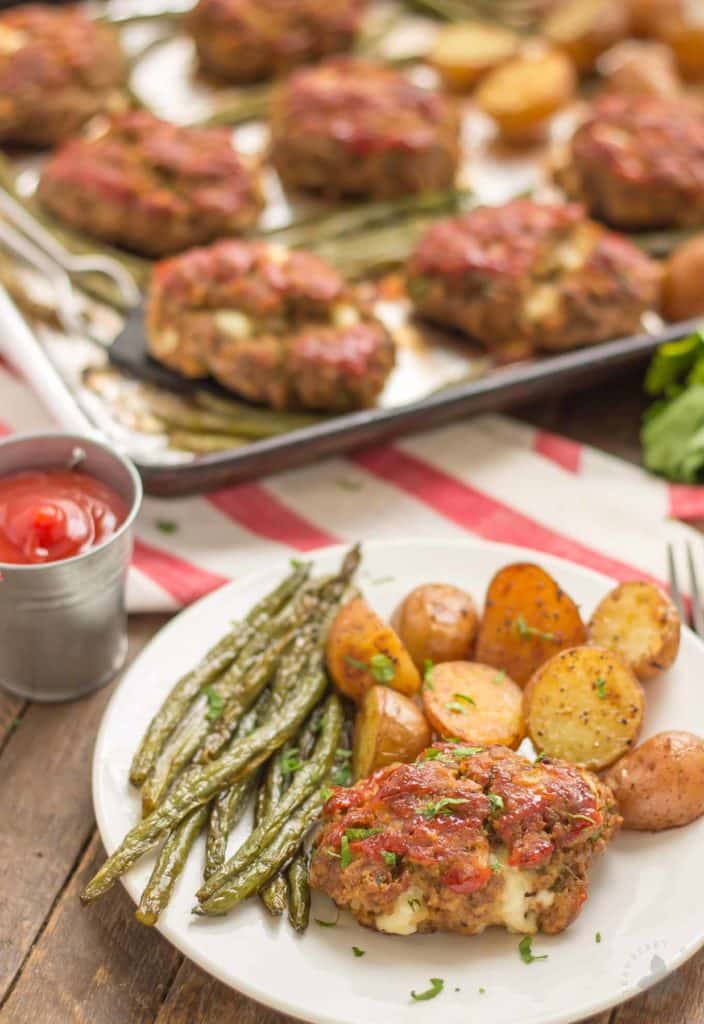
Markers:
{"x": 675, "y": 592}
{"x": 697, "y": 612}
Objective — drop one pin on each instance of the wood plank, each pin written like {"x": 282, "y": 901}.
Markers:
{"x": 45, "y": 799}
{"x": 93, "y": 965}
{"x": 196, "y": 998}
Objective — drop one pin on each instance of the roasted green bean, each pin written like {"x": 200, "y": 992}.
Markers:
{"x": 169, "y": 865}
{"x": 299, "y": 892}
{"x": 307, "y": 780}
{"x": 199, "y": 784}
{"x": 215, "y": 662}
{"x": 271, "y": 859}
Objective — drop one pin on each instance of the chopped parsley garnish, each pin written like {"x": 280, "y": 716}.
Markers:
{"x": 436, "y": 987}
{"x": 355, "y": 835}
{"x": 414, "y": 903}
{"x": 325, "y": 793}
{"x": 442, "y": 807}
{"x": 525, "y": 631}
{"x": 166, "y": 525}
{"x": 327, "y": 924}
{"x": 428, "y": 674}
{"x": 499, "y": 677}
{"x": 357, "y": 951}
{"x": 482, "y": 991}
{"x": 496, "y": 802}
{"x": 464, "y": 698}
{"x": 382, "y": 667}
{"x": 466, "y": 751}
{"x": 290, "y": 761}
{"x": 389, "y": 858}
{"x": 540, "y": 757}
{"x": 495, "y": 864}
{"x": 524, "y": 948}
{"x": 601, "y": 688}
{"x": 216, "y": 704}
{"x": 345, "y": 852}
{"x": 455, "y": 707}
{"x": 433, "y": 754}
{"x": 597, "y": 937}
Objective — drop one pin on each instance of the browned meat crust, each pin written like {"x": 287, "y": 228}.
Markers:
{"x": 638, "y": 161}
{"x": 57, "y": 69}
{"x": 247, "y": 40}
{"x": 276, "y": 326}
{"x": 527, "y": 276}
{"x": 150, "y": 186}
{"x": 447, "y": 832}
{"x": 349, "y": 127}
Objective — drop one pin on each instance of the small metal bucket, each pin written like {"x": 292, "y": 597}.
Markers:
{"x": 63, "y": 625}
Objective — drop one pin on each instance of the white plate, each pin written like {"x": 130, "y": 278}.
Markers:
{"x": 643, "y": 894}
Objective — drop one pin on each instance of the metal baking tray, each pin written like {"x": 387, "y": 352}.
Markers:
{"x": 439, "y": 377}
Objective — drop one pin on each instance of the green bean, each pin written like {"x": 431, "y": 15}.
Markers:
{"x": 203, "y": 444}
{"x": 177, "y": 412}
{"x": 270, "y": 860}
{"x": 169, "y": 866}
{"x": 199, "y": 784}
{"x": 215, "y": 662}
{"x": 307, "y": 780}
{"x": 299, "y": 892}
{"x": 274, "y": 895}
{"x": 276, "y": 420}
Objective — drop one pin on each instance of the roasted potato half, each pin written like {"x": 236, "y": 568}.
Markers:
{"x": 660, "y": 784}
{"x": 584, "y": 29}
{"x": 524, "y": 93}
{"x": 437, "y": 622}
{"x": 584, "y": 705}
{"x": 527, "y": 618}
{"x": 641, "y": 624}
{"x": 477, "y": 704}
{"x": 464, "y": 52}
{"x": 389, "y": 727}
{"x": 362, "y": 650}
{"x": 686, "y": 39}
{"x": 682, "y": 293}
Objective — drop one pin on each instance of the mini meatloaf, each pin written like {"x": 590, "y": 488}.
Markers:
{"x": 349, "y": 127}
{"x": 150, "y": 186}
{"x": 275, "y": 326}
{"x": 638, "y": 162}
{"x": 57, "y": 69}
{"x": 464, "y": 839}
{"x": 247, "y": 40}
{"x": 526, "y": 276}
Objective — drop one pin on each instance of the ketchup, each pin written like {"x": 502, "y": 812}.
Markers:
{"x": 49, "y": 515}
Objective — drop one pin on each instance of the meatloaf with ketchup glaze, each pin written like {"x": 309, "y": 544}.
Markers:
{"x": 638, "y": 162}
{"x": 57, "y": 69}
{"x": 273, "y": 325}
{"x": 463, "y": 839}
{"x": 526, "y": 276}
{"x": 151, "y": 186}
{"x": 247, "y": 40}
{"x": 351, "y": 127}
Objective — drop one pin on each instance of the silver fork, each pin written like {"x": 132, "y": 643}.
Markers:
{"x": 693, "y": 615}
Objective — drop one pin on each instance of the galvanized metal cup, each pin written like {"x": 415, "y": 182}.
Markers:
{"x": 63, "y": 625}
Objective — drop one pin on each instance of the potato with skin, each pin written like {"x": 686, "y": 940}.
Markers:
{"x": 638, "y": 67}
{"x": 362, "y": 650}
{"x": 584, "y": 29}
{"x": 527, "y": 619}
{"x": 660, "y": 784}
{"x": 474, "y": 703}
{"x": 585, "y": 706}
{"x": 389, "y": 727}
{"x": 463, "y": 52}
{"x": 639, "y": 622}
{"x": 524, "y": 93}
{"x": 682, "y": 296}
{"x": 437, "y": 622}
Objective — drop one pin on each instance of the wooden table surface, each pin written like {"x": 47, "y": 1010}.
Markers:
{"x": 63, "y": 964}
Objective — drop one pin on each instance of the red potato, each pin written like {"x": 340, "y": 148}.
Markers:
{"x": 389, "y": 727}
{"x": 437, "y": 622}
{"x": 639, "y": 622}
{"x": 474, "y": 703}
{"x": 527, "y": 619}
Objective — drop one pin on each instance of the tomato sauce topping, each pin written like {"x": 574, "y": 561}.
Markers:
{"x": 49, "y": 515}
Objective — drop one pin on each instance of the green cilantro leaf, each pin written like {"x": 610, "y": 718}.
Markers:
{"x": 455, "y": 707}
{"x": 526, "y": 632}
{"x": 436, "y": 987}
{"x": 601, "y": 688}
{"x": 345, "y": 852}
{"x": 357, "y": 951}
{"x": 355, "y": 835}
{"x": 499, "y": 677}
{"x": 382, "y": 668}
{"x": 496, "y": 802}
{"x": 495, "y": 864}
{"x": 389, "y": 858}
{"x": 442, "y": 807}
{"x": 290, "y": 761}
{"x": 597, "y": 937}
{"x": 166, "y": 525}
{"x": 327, "y": 924}
{"x": 464, "y": 698}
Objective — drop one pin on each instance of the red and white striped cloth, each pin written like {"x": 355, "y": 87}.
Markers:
{"x": 489, "y": 476}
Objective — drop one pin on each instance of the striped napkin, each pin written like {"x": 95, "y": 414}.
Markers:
{"x": 489, "y": 476}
